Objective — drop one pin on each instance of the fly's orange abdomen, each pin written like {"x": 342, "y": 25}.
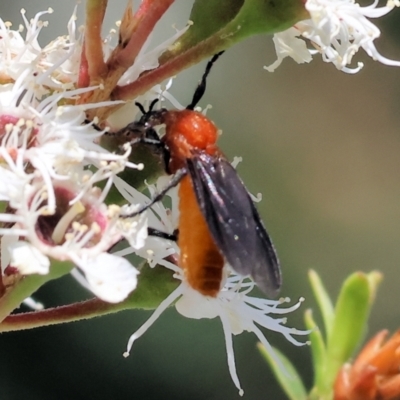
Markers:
{"x": 200, "y": 257}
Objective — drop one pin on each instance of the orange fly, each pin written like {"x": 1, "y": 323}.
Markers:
{"x": 218, "y": 220}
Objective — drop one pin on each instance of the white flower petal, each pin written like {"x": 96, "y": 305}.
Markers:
{"x": 6, "y": 242}
{"x": 194, "y": 305}
{"x": 287, "y": 44}
{"x": 33, "y": 304}
{"x": 134, "y": 230}
{"x": 28, "y": 259}
{"x": 111, "y": 278}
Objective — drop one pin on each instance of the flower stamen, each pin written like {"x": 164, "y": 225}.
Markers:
{"x": 65, "y": 221}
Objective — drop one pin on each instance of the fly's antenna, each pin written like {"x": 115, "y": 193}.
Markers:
{"x": 201, "y": 87}
{"x": 141, "y": 108}
{"x": 152, "y": 104}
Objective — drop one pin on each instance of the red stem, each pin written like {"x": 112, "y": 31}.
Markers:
{"x": 170, "y": 68}
{"x": 95, "y": 11}
{"x": 83, "y": 78}
{"x": 133, "y": 34}
{"x": 144, "y": 20}
{"x": 58, "y": 315}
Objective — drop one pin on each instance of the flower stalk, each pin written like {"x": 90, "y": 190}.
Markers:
{"x": 58, "y": 315}
{"x": 92, "y": 51}
{"x": 134, "y": 31}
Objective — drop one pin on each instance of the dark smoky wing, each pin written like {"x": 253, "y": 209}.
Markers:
{"x": 233, "y": 221}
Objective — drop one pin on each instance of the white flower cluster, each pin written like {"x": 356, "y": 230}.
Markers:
{"x": 50, "y": 166}
{"x": 337, "y": 29}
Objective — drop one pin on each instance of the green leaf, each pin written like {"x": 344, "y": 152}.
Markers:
{"x": 351, "y": 316}
{"x": 318, "y": 350}
{"x": 28, "y": 285}
{"x": 374, "y": 280}
{"x": 324, "y": 302}
{"x": 154, "y": 285}
{"x": 287, "y": 376}
{"x": 268, "y": 16}
{"x": 218, "y": 24}
{"x": 3, "y": 206}
{"x": 208, "y": 17}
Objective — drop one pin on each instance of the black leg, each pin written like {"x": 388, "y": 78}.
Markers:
{"x": 163, "y": 235}
{"x": 159, "y": 196}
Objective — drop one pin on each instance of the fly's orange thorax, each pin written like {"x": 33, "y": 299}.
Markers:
{"x": 200, "y": 258}
{"x": 186, "y": 132}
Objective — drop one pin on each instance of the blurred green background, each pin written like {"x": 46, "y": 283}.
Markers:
{"x": 321, "y": 146}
